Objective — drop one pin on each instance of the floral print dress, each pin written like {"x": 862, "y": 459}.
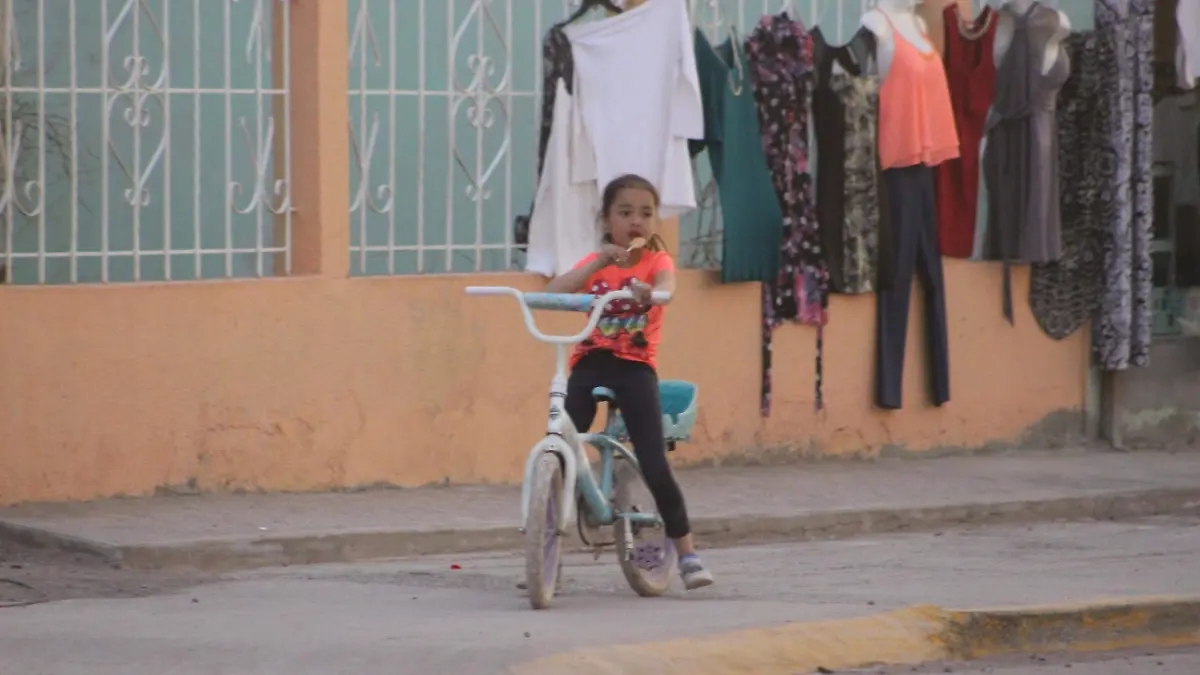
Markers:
{"x": 1066, "y": 293}
{"x": 1122, "y": 330}
{"x": 780, "y": 54}
{"x": 852, "y": 216}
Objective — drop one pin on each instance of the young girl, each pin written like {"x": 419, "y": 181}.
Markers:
{"x": 620, "y": 354}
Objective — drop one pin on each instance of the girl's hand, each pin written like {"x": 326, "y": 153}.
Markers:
{"x": 611, "y": 254}
{"x": 642, "y": 293}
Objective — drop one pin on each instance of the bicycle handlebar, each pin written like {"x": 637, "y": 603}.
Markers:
{"x": 566, "y": 301}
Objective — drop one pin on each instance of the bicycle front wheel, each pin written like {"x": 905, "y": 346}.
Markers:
{"x": 649, "y": 559}
{"x": 543, "y": 551}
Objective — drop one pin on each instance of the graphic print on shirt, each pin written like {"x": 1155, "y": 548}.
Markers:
{"x": 629, "y": 330}
{"x": 623, "y": 323}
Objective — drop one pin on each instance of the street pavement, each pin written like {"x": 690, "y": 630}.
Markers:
{"x": 727, "y": 506}
{"x": 464, "y": 614}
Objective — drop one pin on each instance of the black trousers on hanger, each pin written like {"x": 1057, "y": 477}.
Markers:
{"x": 914, "y": 235}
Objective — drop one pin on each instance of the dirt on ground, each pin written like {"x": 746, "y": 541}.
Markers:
{"x": 1125, "y": 662}
{"x": 30, "y": 576}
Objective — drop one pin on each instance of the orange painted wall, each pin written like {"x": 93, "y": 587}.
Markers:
{"x": 321, "y": 381}
{"x": 301, "y": 384}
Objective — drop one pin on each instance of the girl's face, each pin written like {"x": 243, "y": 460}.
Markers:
{"x": 633, "y": 214}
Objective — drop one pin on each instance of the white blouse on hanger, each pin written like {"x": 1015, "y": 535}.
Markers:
{"x": 638, "y": 96}
{"x": 563, "y": 227}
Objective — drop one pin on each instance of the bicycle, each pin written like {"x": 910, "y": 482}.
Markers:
{"x": 560, "y": 486}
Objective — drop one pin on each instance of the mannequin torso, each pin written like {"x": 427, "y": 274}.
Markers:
{"x": 1004, "y": 31}
{"x": 903, "y": 17}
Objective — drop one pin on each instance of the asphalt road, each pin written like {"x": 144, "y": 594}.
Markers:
{"x": 425, "y": 616}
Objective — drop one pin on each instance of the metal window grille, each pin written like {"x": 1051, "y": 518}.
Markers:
{"x": 444, "y": 105}
{"x": 144, "y": 140}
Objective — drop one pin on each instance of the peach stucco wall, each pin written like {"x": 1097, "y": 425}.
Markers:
{"x": 323, "y": 381}
{"x": 300, "y": 384}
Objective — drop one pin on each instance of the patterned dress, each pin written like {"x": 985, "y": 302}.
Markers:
{"x": 780, "y": 54}
{"x": 1066, "y": 293}
{"x": 1122, "y": 330}
{"x": 849, "y": 208}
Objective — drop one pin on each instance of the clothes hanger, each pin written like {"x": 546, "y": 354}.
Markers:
{"x": 736, "y": 85}
{"x": 587, "y": 6}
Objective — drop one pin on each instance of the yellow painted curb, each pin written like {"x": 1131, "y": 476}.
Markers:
{"x": 906, "y": 636}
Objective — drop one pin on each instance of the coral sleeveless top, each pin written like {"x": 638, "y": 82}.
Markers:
{"x": 916, "y": 121}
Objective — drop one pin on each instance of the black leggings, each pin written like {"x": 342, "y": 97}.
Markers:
{"x": 636, "y": 387}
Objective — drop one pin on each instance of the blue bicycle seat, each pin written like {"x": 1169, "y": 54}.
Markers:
{"x": 679, "y": 407}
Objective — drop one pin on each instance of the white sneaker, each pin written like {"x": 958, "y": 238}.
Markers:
{"x": 693, "y": 573}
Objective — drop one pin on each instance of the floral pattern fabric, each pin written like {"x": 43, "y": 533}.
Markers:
{"x": 780, "y": 54}
{"x": 1122, "y": 330}
{"x": 860, "y": 98}
{"x": 1066, "y": 293}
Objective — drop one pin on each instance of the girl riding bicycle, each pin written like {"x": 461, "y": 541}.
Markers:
{"x": 621, "y": 353}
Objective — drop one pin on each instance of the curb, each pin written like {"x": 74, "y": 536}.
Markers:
{"x": 903, "y": 637}
{"x": 224, "y": 555}
{"x": 37, "y": 537}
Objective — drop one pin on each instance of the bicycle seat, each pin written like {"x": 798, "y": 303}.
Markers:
{"x": 679, "y": 408}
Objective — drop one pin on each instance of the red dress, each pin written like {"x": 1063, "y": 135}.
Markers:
{"x": 971, "y": 77}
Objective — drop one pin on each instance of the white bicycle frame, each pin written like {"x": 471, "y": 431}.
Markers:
{"x": 562, "y": 438}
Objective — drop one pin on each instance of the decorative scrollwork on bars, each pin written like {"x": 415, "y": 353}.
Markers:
{"x": 363, "y": 37}
{"x": 14, "y": 133}
{"x": 31, "y": 189}
{"x": 479, "y": 95}
{"x": 279, "y": 199}
{"x": 272, "y": 194}
{"x": 362, "y": 160}
{"x": 257, "y": 36}
{"x": 136, "y": 91}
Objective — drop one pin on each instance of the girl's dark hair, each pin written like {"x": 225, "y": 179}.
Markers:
{"x": 630, "y": 181}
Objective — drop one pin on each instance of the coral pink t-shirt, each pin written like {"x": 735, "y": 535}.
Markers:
{"x": 630, "y": 331}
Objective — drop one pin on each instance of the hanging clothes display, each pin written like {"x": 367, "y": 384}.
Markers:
{"x": 1122, "y": 330}
{"x": 916, "y": 133}
{"x": 1064, "y": 294}
{"x": 636, "y": 92}
{"x": 780, "y": 55}
{"x": 971, "y": 76}
{"x": 563, "y": 228}
{"x": 1020, "y": 157}
{"x": 853, "y": 220}
{"x": 557, "y": 64}
{"x": 753, "y": 222}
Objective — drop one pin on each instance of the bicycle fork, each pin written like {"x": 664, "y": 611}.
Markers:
{"x": 627, "y": 533}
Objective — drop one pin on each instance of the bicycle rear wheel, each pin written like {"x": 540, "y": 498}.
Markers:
{"x": 648, "y": 565}
{"x": 543, "y": 552}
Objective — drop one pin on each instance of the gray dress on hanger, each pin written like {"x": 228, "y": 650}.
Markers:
{"x": 1020, "y": 162}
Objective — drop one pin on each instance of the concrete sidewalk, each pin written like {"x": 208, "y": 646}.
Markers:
{"x": 728, "y": 506}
